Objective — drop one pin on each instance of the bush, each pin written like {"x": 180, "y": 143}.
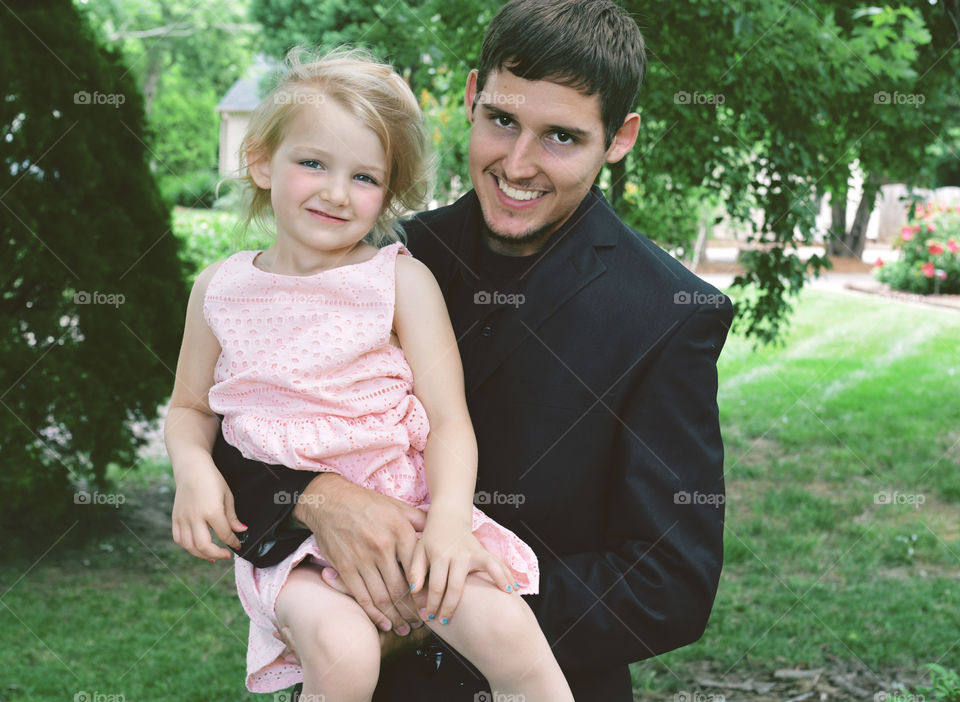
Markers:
{"x": 93, "y": 290}
{"x": 196, "y": 189}
{"x": 207, "y": 236}
{"x": 929, "y": 253}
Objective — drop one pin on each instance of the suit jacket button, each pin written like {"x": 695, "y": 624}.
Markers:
{"x": 487, "y": 330}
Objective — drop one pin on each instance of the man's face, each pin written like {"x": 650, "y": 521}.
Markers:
{"x": 535, "y": 149}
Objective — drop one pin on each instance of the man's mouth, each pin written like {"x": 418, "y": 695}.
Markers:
{"x": 520, "y": 194}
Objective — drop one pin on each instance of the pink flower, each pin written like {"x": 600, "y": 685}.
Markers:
{"x": 906, "y": 233}
{"x": 952, "y": 245}
{"x": 931, "y": 227}
{"x": 941, "y": 274}
{"x": 879, "y": 262}
{"x": 928, "y": 269}
{"x": 934, "y": 247}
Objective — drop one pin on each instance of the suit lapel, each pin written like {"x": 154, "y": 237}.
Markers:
{"x": 568, "y": 263}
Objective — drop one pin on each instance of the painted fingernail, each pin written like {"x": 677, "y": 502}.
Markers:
{"x": 517, "y": 585}
{"x": 444, "y": 621}
{"x": 509, "y": 589}
{"x": 431, "y": 617}
{"x": 412, "y": 586}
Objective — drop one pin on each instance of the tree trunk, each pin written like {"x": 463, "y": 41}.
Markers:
{"x": 838, "y": 223}
{"x": 850, "y": 244}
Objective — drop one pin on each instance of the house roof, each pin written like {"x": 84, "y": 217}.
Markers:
{"x": 243, "y": 95}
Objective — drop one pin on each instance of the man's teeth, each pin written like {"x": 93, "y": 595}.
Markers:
{"x": 518, "y": 194}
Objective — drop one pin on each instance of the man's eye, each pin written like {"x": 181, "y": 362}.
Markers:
{"x": 563, "y": 138}
{"x": 503, "y": 121}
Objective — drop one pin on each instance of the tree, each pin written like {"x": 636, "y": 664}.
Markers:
{"x": 184, "y": 56}
{"x": 93, "y": 292}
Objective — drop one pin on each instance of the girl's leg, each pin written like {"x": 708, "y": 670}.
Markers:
{"x": 499, "y": 634}
{"x": 336, "y": 643}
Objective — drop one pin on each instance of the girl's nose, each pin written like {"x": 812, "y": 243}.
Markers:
{"x": 334, "y": 191}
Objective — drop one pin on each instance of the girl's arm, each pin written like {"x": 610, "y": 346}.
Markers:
{"x": 448, "y": 546}
{"x": 203, "y": 500}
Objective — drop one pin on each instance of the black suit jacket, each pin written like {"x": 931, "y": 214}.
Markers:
{"x": 594, "y": 405}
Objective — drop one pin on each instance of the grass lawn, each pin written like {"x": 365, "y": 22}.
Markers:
{"x": 842, "y": 542}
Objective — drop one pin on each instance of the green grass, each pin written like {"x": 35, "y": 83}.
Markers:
{"x": 862, "y": 400}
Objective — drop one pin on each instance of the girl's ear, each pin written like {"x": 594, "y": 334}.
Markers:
{"x": 258, "y": 163}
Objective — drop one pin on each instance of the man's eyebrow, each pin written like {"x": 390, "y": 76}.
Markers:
{"x": 572, "y": 131}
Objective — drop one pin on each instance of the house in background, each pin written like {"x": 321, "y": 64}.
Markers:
{"x": 235, "y": 108}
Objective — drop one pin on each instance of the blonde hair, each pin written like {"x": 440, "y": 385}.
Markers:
{"x": 374, "y": 93}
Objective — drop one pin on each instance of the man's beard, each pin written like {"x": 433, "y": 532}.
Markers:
{"x": 509, "y": 241}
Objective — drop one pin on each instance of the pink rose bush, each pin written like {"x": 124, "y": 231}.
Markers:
{"x": 929, "y": 261}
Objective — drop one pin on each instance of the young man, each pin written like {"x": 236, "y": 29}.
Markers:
{"x": 590, "y": 363}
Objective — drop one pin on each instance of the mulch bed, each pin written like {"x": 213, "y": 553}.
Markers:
{"x": 884, "y": 290}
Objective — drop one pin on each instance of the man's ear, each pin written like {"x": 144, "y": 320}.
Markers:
{"x": 470, "y": 93}
{"x": 624, "y": 139}
{"x": 258, "y": 163}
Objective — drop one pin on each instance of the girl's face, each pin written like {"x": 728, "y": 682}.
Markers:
{"x": 326, "y": 181}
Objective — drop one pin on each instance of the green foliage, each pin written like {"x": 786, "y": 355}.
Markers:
{"x": 193, "y": 189}
{"x": 208, "y": 236}
{"x": 944, "y": 684}
{"x": 929, "y": 253}
{"x": 92, "y": 288}
{"x": 184, "y": 56}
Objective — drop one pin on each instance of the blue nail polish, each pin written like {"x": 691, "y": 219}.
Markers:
{"x": 444, "y": 621}
{"x": 517, "y": 585}
{"x": 430, "y": 617}
{"x": 412, "y": 586}
{"x": 509, "y": 589}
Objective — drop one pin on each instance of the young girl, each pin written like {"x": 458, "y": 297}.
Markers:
{"x": 311, "y": 351}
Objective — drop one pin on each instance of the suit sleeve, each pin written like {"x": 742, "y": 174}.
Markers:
{"x": 264, "y": 497}
{"x": 654, "y": 589}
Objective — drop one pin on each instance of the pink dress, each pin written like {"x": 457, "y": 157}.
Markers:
{"x": 307, "y": 378}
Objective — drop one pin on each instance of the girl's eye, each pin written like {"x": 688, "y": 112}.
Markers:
{"x": 311, "y": 164}
{"x": 363, "y": 177}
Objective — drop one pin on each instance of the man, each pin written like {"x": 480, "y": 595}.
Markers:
{"x": 590, "y": 363}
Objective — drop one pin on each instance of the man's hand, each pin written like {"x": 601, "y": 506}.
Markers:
{"x": 364, "y": 535}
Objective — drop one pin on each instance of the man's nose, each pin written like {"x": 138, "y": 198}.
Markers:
{"x": 520, "y": 162}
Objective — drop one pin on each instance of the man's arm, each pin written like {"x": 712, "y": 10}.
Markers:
{"x": 654, "y": 592}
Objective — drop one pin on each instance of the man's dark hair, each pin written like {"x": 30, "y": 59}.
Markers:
{"x": 593, "y": 46}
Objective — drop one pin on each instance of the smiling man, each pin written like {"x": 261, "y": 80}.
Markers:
{"x": 590, "y": 365}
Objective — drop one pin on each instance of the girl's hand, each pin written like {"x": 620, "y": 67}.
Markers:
{"x": 450, "y": 551}
{"x": 204, "y": 502}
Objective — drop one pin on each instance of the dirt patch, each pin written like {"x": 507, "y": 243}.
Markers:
{"x": 841, "y": 680}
